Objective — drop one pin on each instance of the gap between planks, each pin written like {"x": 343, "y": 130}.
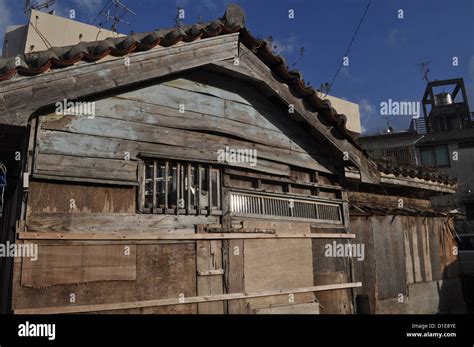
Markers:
{"x": 182, "y": 300}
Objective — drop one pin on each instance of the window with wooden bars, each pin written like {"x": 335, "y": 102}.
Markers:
{"x": 175, "y": 187}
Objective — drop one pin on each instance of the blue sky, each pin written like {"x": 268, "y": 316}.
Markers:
{"x": 383, "y": 57}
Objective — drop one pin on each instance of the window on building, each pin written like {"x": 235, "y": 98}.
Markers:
{"x": 435, "y": 155}
{"x": 180, "y": 187}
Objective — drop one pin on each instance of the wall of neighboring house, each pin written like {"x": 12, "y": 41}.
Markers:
{"x": 461, "y": 168}
{"x": 91, "y": 174}
{"x": 59, "y": 32}
{"x": 410, "y": 265}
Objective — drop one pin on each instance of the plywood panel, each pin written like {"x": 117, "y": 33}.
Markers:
{"x": 56, "y": 198}
{"x": 163, "y": 271}
{"x": 278, "y": 264}
{"x": 79, "y": 264}
{"x": 334, "y": 301}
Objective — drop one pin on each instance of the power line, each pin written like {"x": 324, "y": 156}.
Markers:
{"x": 350, "y": 44}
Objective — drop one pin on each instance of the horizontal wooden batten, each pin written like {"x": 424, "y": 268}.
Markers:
{"x": 211, "y": 272}
{"x": 32, "y": 235}
{"x": 84, "y": 180}
{"x": 116, "y": 222}
{"x": 182, "y": 300}
{"x": 83, "y": 167}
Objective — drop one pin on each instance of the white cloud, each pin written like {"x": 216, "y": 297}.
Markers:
{"x": 5, "y": 20}
{"x": 210, "y": 4}
{"x": 89, "y": 6}
{"x": 367, "y": 111}
{"x": 395, "y": 37}
{"x": 287, "y": 45}
{"x": 366, "y": 108}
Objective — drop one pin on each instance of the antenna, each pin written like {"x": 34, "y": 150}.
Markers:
{"x": 34, "y": 5}
{"x": 424, "y": 66}
{"x": 117, "y": 14}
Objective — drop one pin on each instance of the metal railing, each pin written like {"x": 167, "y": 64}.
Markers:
{"x": 436, "y": 124}
{"x": 264, "y": 205}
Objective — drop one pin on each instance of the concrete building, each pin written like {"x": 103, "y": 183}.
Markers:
{"x": 42, "y": 33}
{"x": 442, "y": 138}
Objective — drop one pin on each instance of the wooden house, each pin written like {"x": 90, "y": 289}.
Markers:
{"x": 194, "y": 173}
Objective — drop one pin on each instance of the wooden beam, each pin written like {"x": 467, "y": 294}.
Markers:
{"x": 32, "y": 235}
{"x": 210, "y": 272}
{"x": 182, "y": 300}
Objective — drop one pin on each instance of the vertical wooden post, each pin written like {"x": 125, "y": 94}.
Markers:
{"x": 208, "y": 259}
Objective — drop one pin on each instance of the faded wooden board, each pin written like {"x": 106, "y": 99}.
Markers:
{"x": 310, "y": 308}
{"x": 364, "y": 271}
{"x": 416, "y": 254}
{"x": 58, "y": 265}
{"x": 434, "y": 249}
{"x": 70, "y": 166}
{"x": 408, "y": 255}
{"x": 181, "y": 143}
{"x": 209, "y": 258}
{"x": 278, "y": 264}
{"x": 419, "y": 237}
{"x": 452, "y": 262}
{"x": 334, "y": 301}
{"x": 233, "y": 256}
{"x": 117, "y": 222}
{"x": 47, "y": 197}
{"x": 163, "y": 272}
{"x": 389, "y": 256}
{"x": 59, "y": 142}
{"x": 425, "y": 241}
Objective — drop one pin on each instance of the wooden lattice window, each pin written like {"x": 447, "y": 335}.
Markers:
{"x": 174, "y": 187}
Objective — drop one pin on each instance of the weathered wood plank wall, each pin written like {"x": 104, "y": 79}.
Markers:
{"x": 408, "y": 261}
{"x": 215, "y": 114}
{"x": 103, "y": 150}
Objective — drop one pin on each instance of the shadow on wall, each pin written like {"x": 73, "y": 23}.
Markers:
{"x": 452, "y": 294}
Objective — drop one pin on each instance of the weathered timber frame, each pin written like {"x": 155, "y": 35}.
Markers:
{"x": 183, "y": 188}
